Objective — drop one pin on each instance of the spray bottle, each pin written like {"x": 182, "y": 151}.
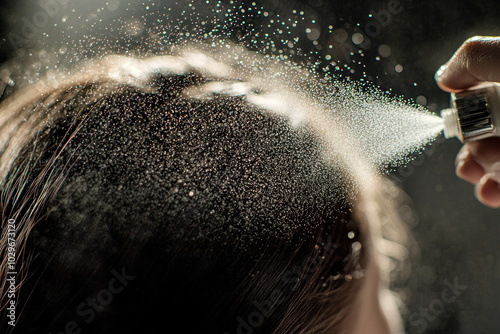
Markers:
{"x": 474, "y": 114}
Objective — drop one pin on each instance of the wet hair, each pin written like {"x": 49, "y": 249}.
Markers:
{"x": 141, "y": 204}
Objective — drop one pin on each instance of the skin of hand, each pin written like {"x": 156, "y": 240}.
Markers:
{"x": 476, "y": 61}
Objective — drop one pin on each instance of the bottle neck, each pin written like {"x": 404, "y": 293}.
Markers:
{"x": 451, "y": 126}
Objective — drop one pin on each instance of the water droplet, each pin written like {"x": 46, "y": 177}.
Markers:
{"x": 340, "y": 35}
{"x": 422, "y": 100}
{"x": 113, "y": 4}
{"x": 357, "y": 38}
{"x": 384, "y": 50}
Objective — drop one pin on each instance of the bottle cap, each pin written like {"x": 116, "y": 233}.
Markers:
{"x": 474, "y": 114}
{"x": 469, "y": 117}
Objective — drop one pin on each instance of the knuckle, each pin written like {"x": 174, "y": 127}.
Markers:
{"x": 475, "y": 54}
{"x": 472, "y": 47}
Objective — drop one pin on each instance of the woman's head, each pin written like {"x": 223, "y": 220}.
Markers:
{"x": 173, "y": 192}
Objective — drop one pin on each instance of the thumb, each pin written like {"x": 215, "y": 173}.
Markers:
{"x": 477, "y": 60}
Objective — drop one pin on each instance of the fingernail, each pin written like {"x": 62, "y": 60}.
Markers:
{"x": 461, "y": 156}
{"x": 495, "y": 176}
{"x": 476, "y": 190}
{"x": 478, "y": 185}
{"x": 440, "y": 72}
{"x": 487, "y": 191}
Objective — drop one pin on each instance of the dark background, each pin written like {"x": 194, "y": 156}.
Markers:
{"x": 458, "y": 237}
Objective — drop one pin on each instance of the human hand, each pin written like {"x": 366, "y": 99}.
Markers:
{"x": 476, "y": 61}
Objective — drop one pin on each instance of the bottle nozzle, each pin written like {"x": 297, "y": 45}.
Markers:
{"x": 451, "y": 123}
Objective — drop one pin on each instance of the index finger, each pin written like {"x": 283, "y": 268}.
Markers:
{"x": 477, "y": 60}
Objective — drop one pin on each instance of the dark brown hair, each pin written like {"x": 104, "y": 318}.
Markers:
{"x": 223, "y": 215}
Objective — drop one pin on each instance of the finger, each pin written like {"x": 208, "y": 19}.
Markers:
{"x": 477, "y": 60}
{"x": 467, "y": 169}
{"x": 488, "y": 192}
{"x": 486, "y": 153}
